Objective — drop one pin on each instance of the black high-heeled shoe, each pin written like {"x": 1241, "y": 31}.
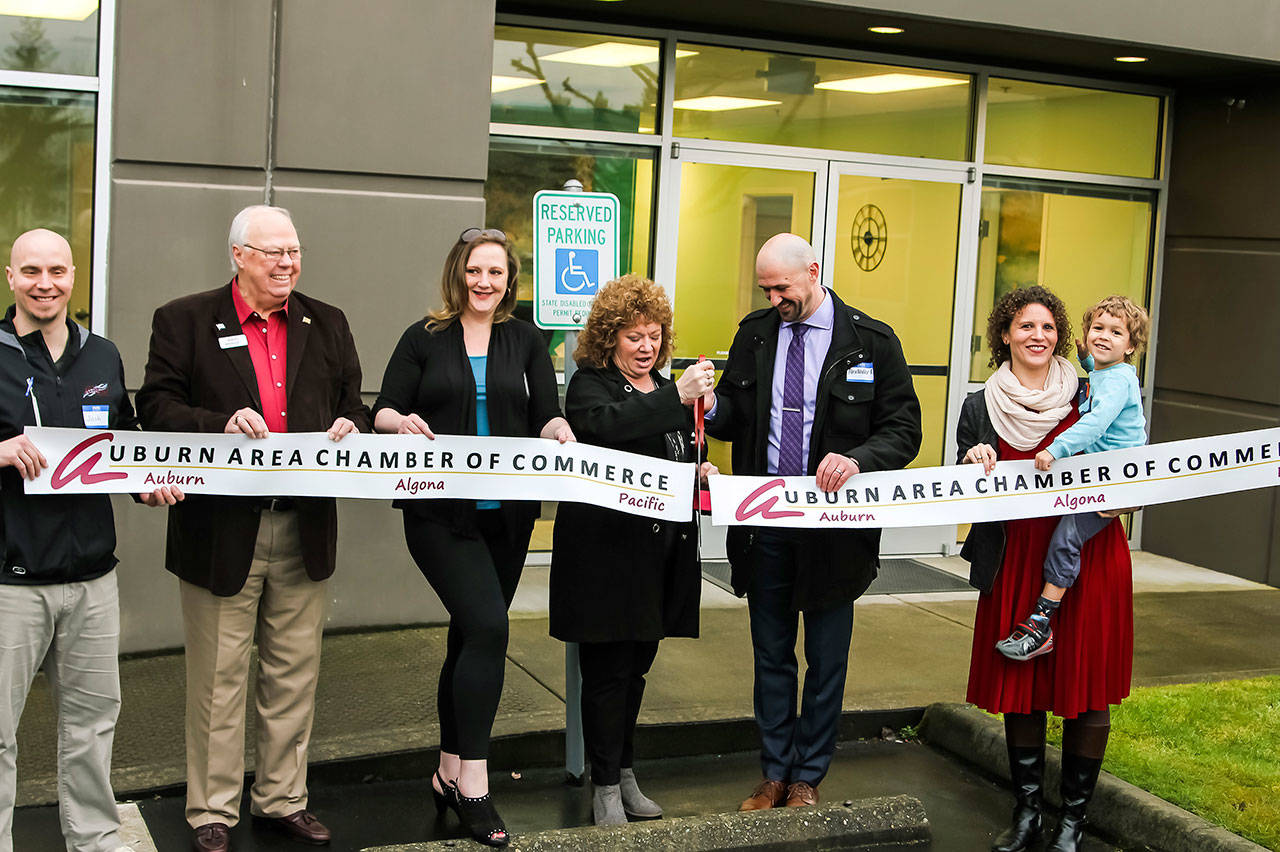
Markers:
{"x": 481, "y": 819}
{"x": 446, "y": 799}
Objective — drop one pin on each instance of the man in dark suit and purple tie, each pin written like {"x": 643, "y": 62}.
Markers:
{"x": 812, "y": 387}
{"x": 252, "y": 357}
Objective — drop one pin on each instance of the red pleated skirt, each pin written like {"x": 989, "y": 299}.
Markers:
{"x": 1092, "y": 660}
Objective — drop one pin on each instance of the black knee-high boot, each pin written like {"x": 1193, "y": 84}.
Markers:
{"x": 1084, "y": 741}
{"x": 1024, "y": 737}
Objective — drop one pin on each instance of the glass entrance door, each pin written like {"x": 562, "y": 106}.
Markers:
{"x": 889, "y": 240}
{"x": 892, "y": 248}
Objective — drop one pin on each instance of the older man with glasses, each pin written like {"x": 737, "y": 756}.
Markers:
{"x": 252, "y": 357}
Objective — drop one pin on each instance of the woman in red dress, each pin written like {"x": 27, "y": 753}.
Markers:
{"x": 1025, "y": 404}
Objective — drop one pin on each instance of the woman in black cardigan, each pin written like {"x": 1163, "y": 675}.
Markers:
{"x": 621, "y": 582}
{"x": 470, "y": 369}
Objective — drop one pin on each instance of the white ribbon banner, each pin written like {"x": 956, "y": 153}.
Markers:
{"x": 1120, "y": 479}
{"x": 308, "y": 464}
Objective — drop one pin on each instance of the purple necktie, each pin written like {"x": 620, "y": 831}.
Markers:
{"x": 791, "y": 438}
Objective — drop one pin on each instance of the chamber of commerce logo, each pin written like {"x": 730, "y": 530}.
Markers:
{"x": 83, "y": 471}
{"x": 764, "y": 508}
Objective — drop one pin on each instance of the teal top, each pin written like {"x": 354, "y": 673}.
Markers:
{"x": 479, "y": 363}
{"x": 1111, "y": 418}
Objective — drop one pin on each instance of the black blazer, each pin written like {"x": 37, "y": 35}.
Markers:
{"x": 194, "y": 385}
{"x": 429, "y": 375}
{"x": 877, "y": 424}
{"x": 615, "y": 576}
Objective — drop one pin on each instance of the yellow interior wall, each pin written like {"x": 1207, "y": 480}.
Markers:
{"x": 932, "y": 392}
{"x": 913, "y": 288}
{"x": 937, "y": 132}
{"x": 713, "y": 277}
{"x": 1102, "y": 132}
{"x": 1090, "y": 248}
{"x": 641, "y": 222}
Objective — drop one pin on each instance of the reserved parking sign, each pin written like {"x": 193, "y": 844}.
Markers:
{"x": 575, "y": 250}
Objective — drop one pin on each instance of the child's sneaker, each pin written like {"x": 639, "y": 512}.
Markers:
{"x": 1029, "y": 639}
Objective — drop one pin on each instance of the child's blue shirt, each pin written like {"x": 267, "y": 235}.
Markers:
{"x": 1111, "y": 418}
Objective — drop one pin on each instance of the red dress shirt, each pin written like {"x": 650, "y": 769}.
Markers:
{"x": 268, "y": 345}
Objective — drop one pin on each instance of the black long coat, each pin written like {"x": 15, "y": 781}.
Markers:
{"x": 616, "y": 576}
{"x": 877, "y": 424}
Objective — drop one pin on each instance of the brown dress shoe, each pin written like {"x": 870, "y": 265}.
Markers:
{"x": 767, "y": 794}
{"x": 801, "y": 794}
{"x": 211, "y": 837}
{"x": 300, "y": 825}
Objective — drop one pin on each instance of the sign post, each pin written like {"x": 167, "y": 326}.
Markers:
{"x": 575, "y": 250}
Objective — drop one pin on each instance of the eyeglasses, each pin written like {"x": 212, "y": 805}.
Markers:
{"x": 472, "y": 234}
{"x": 274, "y": 255}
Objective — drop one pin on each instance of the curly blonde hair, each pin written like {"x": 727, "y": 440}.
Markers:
{"x": 622, "y": 303}
{"x": 1134, "y": 317}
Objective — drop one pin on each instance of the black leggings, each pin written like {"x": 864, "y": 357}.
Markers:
{"x": 612, "y": 688}
{"x": 475, "y": 579}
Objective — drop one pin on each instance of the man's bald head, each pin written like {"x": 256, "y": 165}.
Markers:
{"x": 786, "y": 251}
{"x": 787, "y": 272}
{"x": 40, "y": 240}
{"x": 41, "y": 276}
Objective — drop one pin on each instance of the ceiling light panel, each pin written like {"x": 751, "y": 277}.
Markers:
{"x": 612, "y": 54}
{"x": 62, "y": 10}
{"x": 502, "y": 83}
{"x": 721, "y": 103}
{"x": 879, "y": 84}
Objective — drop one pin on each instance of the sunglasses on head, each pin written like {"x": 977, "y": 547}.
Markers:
{"x": 472, "y": 234}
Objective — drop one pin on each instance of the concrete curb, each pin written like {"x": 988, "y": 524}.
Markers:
{"x": 864, "y": 824}
{"x": 1119, "y": 809}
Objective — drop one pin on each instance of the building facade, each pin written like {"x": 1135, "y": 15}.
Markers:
{"x": 936, "y": 154}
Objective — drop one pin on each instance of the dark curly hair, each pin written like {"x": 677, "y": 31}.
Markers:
{"x": 622, "y": 303}
{"x": 1010, "y": 305}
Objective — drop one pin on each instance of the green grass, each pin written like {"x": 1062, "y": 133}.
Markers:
{"x": 1211, "y": 748}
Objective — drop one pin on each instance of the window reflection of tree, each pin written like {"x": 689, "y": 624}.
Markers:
{"x": 600, "y": 114}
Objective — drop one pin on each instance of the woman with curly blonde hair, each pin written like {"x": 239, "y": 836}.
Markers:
{"x": 621, "y": 582}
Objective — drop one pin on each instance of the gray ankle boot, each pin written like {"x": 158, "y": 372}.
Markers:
{"x": 634, "y": 803}
{"x": 606, "y": 805}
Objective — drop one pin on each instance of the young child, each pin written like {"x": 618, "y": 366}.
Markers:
{"x": 1110, "y": 419}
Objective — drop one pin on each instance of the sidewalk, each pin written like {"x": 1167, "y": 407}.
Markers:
{"x": 377, "y": 690}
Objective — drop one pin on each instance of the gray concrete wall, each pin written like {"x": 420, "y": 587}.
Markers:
{"x": 1247, "y": 28}
{"x": 371, "y": 125}
{"x": 1218, "y": 364}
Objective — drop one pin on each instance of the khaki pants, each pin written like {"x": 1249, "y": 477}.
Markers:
{"x": 286, "y": 608}
{"x": 73, "y": 629}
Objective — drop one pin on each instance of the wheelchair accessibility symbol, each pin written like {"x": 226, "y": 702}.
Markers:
{"x": 577, "y": 271}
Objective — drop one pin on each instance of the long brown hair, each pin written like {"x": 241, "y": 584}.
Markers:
{"x": 453, "y": 280}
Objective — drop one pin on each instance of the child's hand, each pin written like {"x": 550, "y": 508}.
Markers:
{"x": 1044, "y": 460}
{"x": 1081, "y": 352}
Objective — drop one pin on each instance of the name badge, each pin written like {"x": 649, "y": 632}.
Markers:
{"x": 863, "y": 372}
{"x": 96, "y": 416}
{"x": 232, "y": 341}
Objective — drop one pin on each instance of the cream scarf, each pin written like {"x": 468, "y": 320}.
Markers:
{"x": 1023, "y": 416}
